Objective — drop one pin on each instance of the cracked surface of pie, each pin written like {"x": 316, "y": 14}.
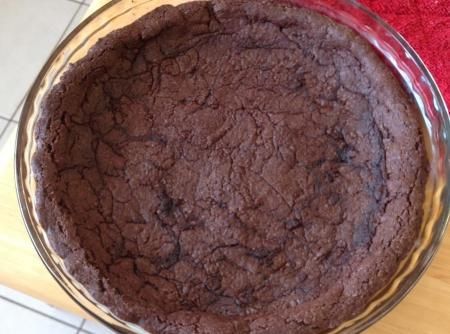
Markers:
{"x": 231, "y": 167}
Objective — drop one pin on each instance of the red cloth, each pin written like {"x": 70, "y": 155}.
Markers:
{"x": 426, "y": 26}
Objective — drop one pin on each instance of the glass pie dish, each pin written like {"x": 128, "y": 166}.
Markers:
{"x": 403, "y": 61}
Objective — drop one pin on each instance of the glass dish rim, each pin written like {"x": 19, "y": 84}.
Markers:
{"x": 361, "y": 325}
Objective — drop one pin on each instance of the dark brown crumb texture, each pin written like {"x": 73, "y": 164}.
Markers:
{"x": 231, "y": 167}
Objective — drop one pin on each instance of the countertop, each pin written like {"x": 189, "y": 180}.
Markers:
{"x": 424, "y": 310}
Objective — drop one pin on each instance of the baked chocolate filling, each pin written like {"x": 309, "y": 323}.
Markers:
{"x": 231, "y": 167}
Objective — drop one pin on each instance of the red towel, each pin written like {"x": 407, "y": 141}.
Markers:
{"x": 426, "y": 26}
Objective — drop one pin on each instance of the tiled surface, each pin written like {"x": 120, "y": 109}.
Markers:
{"x": 16, "y": 115}
{"x": 94, "y": 327}
{"x": 19, "y": 298}
{"x": 17, "y": 319}
{"x": 74, "y": 20}
{"x": 30, "y": 30}
{"x": 7, "y": 132}
{"x": 24, "y": 314}
{"x": 3, "y": 123}
{"x": 77, "y": 18}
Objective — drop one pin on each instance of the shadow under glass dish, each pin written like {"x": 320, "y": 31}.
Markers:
{"x": 402, "y": 59}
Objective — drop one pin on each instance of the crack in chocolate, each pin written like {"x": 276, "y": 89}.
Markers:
{"x": 230, "y": 167}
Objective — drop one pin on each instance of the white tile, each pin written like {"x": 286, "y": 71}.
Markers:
{"x": 80, "y": 15}
{"x": 7, "y": 148}
{"x": 19, "y": 110}
{"x": 40, "y": 306}
{"x": 96, "y": 328}
{"x": 16, "y": 319}
{"x": 2, "y": 124}
{"x": 7, "y": 144}
{"x": 29, "y": 30}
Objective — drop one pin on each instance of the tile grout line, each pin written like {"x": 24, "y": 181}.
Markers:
{"x": 81, "y": 4}
{"x": 82, "y": 330}
{"x": 79, "y": 329}
{"x": 81, "y": 326}
{"x": 3, "y": 132}
{"x": 12, "y": 120}
{"x": 37, "y": 312}
{"x": 6, "y": 118}
{"x": 22, "y": 100}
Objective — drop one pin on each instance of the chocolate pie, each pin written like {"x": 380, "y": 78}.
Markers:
{"x": 231, "y": 167}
